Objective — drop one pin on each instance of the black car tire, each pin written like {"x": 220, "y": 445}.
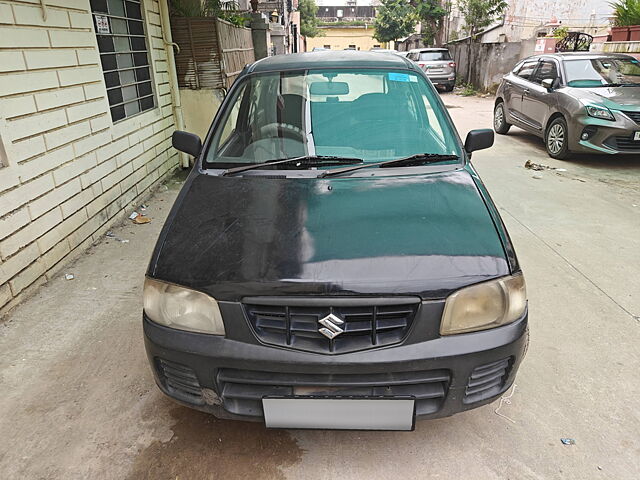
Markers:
{"x": 556, "y": 139}
{"x": 449, "y": 88}
{"x": 500, "y": 124}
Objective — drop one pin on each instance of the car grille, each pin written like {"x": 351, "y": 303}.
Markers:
{"x": 243, "y": 390}
{"x": 623, "y": 143}
{"x": 635, "y": 116}
{"x": 180, "y": 381}
{"x": 367, "y": 323}
{"x": 487, "y": 380}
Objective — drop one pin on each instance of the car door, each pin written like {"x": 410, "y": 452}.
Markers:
{"x": 516, "y": 84}
{"x": 537, "y": 100}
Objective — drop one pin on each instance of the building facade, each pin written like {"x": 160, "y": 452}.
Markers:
{"x": 526, "y": 19}
{"x": 86, "y": 117}
{"x": 346, "y": 25}
{"x": 285, "y": 25}
{"x": 346, "y": 37}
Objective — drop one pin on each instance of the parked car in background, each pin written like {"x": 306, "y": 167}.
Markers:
{"x": 437, "y": 64}
{"x": 382, "y": 50}
{"x": 402, "y": 54}
{"x": 333, "y": 259}
{"x": 577, "y": 102}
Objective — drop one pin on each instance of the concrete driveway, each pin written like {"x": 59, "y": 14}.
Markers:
{"x": 78, "y": 399}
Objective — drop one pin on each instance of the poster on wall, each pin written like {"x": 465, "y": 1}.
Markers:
{"x": 102, "y": 25}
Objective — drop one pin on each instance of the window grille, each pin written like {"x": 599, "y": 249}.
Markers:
{"x": 124, "y": 55}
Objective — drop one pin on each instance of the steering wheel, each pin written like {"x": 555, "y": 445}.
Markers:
{"x": 285, "y": 129}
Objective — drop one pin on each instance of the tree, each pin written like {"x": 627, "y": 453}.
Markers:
{"x": 430, "y": 13}
{"x": 478, "y": 14}
{"x": 626, "y": 13}
{"x": 395, "y": 19}
{"x": 308, "y": 19}
{"x": 223, "y": 9}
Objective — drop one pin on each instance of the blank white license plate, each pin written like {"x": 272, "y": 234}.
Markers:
{"x": 340, "y": 413}
{"x": 636, "y": 136}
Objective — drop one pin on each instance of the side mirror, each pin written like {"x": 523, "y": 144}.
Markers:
{"x": 478, "y": 140}
{"x": 548, "y": 83}
{"x": 186, "y": 142}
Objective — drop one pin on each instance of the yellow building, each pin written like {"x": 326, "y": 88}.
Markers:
{"x": 359, "y": 37}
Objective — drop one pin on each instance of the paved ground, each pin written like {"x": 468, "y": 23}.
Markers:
{"x": 78, "y": 399}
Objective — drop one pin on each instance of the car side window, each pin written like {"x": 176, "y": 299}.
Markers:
{"x": 527, "y": 69}
{"x": 546, "y": 69}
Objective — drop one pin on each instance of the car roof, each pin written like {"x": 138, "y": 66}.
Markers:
{"x": 330, "y": 59}
{"x": 429, "y": 50}
{"x": 585, "y": 55}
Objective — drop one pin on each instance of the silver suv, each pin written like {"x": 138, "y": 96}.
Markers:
{"x": 437, "y": 64}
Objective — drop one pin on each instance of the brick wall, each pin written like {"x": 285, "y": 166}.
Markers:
{"x": 67, "y": 172}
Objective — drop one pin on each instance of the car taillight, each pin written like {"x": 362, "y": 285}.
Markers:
{"x": 452, "y": 64}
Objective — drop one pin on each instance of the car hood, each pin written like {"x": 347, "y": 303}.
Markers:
{"x": 617, "y": 98}
{"x": 423, "y": 235}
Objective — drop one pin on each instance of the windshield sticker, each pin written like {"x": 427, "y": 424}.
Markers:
{"x": 402, "y": 77}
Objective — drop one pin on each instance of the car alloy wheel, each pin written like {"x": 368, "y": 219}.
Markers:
{"x": 556, "y": 138}
{"x": 498, "y": 117}
{"x": 500, "y": 124}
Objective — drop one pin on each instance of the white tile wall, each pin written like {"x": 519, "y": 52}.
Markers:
{"x": 66, "y": 171}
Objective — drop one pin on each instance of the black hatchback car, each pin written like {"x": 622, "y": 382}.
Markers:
{"x": 333, "y": 259}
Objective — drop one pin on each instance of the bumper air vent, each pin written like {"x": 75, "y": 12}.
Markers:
{"x": 487, "y": 380}
{"x": 180, "y": 381}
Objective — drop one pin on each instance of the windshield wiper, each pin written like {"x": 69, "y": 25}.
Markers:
{"x": 304, "y": 161}
{"x": 621, "y": 85}
{"x": 411, "y": 161}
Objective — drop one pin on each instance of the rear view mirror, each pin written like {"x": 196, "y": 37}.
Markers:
{"x": 329, "y": 88}
{"x": 478, "y": 139}
{"x": 186, "y": 142}
{"x": 548, "y": 83}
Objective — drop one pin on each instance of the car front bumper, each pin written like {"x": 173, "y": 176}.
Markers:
{"x": 605, "y": 136}
{"x": 229, "y": 378}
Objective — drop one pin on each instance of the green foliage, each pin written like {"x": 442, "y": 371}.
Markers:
{"x": 430, "y": 13}
{"x": 210, "y": 8}
{"x": 239, "y": 19}
{"x": 467, "y": 90}
{"x": 479, "y": 14}
{"x": 626, "y": 13}
{"x": 395, "y": 19}
{"x": 560, "y": 32}
{"x": 308, "y": 20}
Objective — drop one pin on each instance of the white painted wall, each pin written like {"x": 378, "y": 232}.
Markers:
{"x": 524, "y": 17}
{"x": 68, "y": 170}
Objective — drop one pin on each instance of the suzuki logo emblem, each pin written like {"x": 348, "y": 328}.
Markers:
{"x": 331, "y": 326}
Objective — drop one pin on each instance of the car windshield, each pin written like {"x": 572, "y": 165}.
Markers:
{"x": 598, "y": 72}
{"x": 434, "y": 56}
{"x": 372, "y": 115}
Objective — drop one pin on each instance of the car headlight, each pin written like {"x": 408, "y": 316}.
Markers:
{"x": 599, "y": 112}
{"x": 181, "y": 308}
{"x": 485, "y": 305}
